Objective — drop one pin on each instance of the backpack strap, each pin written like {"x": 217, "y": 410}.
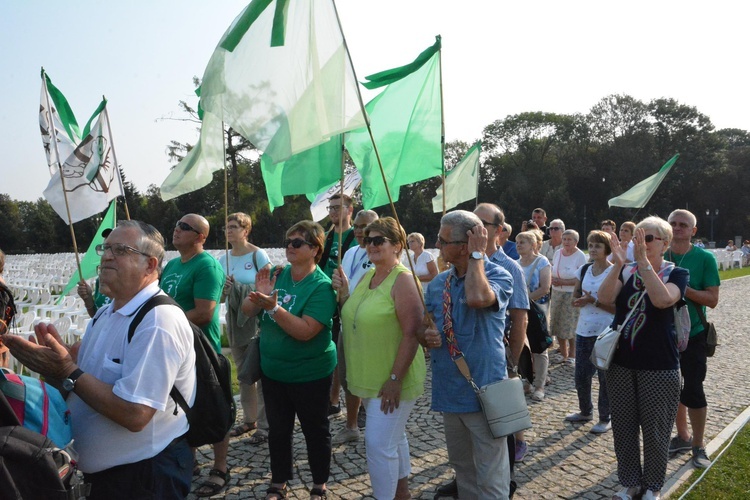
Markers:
{"x": 155, "y": 300}
{"x": 583, "y": 273}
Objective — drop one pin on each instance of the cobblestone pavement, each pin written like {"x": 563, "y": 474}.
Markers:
{"x": 564, "y": 460}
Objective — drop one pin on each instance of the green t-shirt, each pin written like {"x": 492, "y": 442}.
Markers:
{"x": 333, "y": 256}
{"x": 199, "y": 278}
{"x": 100, "y": 300}
{"x": 703, "y": 273}
{"x": 286, "y": 359}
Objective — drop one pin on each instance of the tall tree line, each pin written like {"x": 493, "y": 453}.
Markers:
{"x": 568, "y": 164}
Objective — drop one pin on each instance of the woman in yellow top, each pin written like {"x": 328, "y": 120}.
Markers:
{"x": 385, "y": 363}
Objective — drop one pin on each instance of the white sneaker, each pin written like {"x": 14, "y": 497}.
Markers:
{"x": 345, "y": 435}
{"x": 538, "y": 395}
{"x": 651, "y": 495}
{"x": 627, "y": 493}
{"x": 601, "y": 427}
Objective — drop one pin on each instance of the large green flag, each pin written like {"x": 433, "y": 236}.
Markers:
{"x": 91, "y": 260}
{"x": 281, "y": 77}
{"x": 56, "y": 123}
{"x": 461, "y": 182}
{"x": 406, "y": 122}
{"x": 307, "y": 172}
{"x": 638, "y": 195}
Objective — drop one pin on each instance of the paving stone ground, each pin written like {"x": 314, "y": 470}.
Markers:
{"x": 564, "y": 460}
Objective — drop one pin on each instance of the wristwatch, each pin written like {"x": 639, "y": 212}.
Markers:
{"x": 394, "y": 377}
{"x": 649, "y": 267}
{"x": 477, "y": 255}
{"x": 69, "y": 383}
{"x": 273, "y": 311}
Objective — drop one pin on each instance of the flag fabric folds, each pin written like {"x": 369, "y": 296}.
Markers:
{"x": 91, "y": 178}
{"x": 406, "y": 122}
{"x": 282, "y": 78}
{"x": 56, "y": 122}
{"x": 319, "y": 206}
{"x": 641, "y": 193}
{"x": 91, "y": 260}
{"x": 461, "y": 182}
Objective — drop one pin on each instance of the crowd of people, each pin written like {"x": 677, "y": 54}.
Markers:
{"x": 370, "y": 324}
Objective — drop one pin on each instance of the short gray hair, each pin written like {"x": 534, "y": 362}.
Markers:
{"x": 659, "y": 225}
{"x": 460, "y": 222}
{"x": 558, "y": 221}
{"x": 150, "y": 242}
{"x": 573, "y": 233}
{"x": 686, "y": 213}
{"x": 370, "y": 214}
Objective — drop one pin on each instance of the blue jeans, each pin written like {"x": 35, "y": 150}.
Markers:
{"x": 583, "y": 376}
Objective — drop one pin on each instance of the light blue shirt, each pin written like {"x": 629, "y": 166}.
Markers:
{"x": 520, "y": 297}
{"x": 479, "y": 333}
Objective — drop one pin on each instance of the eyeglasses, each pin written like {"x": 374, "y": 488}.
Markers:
{"x": 184, "y": 226}
{"x": 118, "y": 249}
{"x": 334, "y": 208}
{"x": 488, "y": 223}
{"x": 296, "y": 243}
{"x": 553, "y": 228}
{"x": 359, "y": 226}
{"x": 650, "y": 237}
{"x": 375, "y": 240}
{"x": 441, "y": 241}
{"x": 231, "y": 228}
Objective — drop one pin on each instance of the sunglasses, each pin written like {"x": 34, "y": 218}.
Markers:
{"x": 485, "y": 223}
{"x": 296, "y": 243}
{"x": 184, "y": 226}
{"x": 375, "y": 240}
{"x": 553, "y": 228}
{"x": 650, "y": 237}
{"x": 117, "y": 249}
{"x": 441, "y": 241}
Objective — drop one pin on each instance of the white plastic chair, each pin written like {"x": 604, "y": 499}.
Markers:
{"x": 63, "y": 328}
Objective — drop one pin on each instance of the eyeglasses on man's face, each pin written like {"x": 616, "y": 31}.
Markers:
{"x": 336, "y": 208}
{"x": 441, "y": 241}
{"x": 375, "y": 240}
{"x": 184, "y": 226}
{"x": 555, "y": 228}
{"x": 117, "y": 249}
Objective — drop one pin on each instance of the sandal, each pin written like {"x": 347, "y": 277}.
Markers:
{"x": 241, "y": 429}
{"x": 196, "y": 468}
{"x": 258, "y": 437}
{"x": 319, "y": 492}
{"x": 276, "y": 492}
{"x": 210, "y": 488}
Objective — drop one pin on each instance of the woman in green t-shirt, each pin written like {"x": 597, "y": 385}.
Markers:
{"x": 385, "y": 363}
{"x": 295, "y": 307}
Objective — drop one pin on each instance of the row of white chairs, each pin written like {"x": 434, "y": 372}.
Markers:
{"x": 728, "y": 260}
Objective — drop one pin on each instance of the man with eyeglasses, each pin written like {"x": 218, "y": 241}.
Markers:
{"x": 340, "y": 210}
{"x": 468, "y": 303}
{"x": 195, "y": 280}
{"x": 130, "y": 441}
{"x": 354, "y": 264}
{"x": 702, "y": 291}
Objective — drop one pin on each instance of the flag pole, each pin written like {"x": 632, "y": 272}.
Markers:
{"x": 375, "y": 148}
{"x": 341, "y": 195}
{"x": 479, "y": 171}
{"x": 117, "y": 165}
{"x": 60, "y": 171}
{"x": 442, "y": 127}
{"x": 226, "y": 187}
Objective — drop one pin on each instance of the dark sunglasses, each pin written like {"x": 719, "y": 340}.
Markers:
{"x": 375, "y": 240}
{"x": 296, "y": 243}
{"x": 184, "y": 226}
{"x": 553, "y": 228}
{"x": 650, "y": 237}
{"x": 485, "y": 223}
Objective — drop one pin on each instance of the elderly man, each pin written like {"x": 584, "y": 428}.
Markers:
{"x": 195, "y": 281}
{"x": 468, "y": 303}
{"x": 130, "y": 440}
{"x": 354, "y": 264}
{"x": 504, "y": 241}
{"x": 702, "y": 291}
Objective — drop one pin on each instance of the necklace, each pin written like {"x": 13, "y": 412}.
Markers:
{"x": 295, "y": 283}
{"x": 671, "y": 255}
{"x": 367, "y": 292}
{"x": 372, "y": 280}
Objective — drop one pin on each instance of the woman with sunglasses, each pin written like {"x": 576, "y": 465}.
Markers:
{"x": 643, "y": 381}
{"x": 385, "y": 363}
{"x": 295, "y": 305}
{"x": 245, "y": 260}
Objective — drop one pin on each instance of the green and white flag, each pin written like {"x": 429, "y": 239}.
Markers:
{"x": 91, "y": 260}
{"x": 281, "y": 77}
{"x": 461, "y": 183}
{"x": 638, "y": 195}
{"x": 91, "y": 177}
{"x": 56, "y": 123}
{"x": 406, "y": 121}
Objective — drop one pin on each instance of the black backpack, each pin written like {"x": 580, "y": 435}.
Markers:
{"x": 7, "y": 309}
{"x": 31, "y": 466}
{"x": 214, "y": 409}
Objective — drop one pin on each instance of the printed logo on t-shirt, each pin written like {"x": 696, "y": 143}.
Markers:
{"x": 285, "y": 300}
{"x": 248, "y": 266}
{"x": 171, "y": 283}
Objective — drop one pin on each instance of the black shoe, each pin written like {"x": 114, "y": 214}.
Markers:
{"x": 448, "y": 490}
{"x": 361, "y": 417}
{"x": 333, "y": 410}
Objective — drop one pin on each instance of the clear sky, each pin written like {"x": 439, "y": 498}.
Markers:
{"x": 499, "y": 58}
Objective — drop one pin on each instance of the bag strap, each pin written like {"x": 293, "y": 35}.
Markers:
{"x": 155, "y": 300}
{"x": 632, "y": 311}
{"x": 701, "y": 315}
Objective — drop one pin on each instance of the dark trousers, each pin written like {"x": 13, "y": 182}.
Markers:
{"x": 167, "y": 475}
{"x": 309, "y": 402}
{"x": 584, "y": 372}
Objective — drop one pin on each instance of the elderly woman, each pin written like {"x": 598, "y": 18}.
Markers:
{"x": 627, "y": 229}
{"x": 554, "y": 243}
{"x": 245, "y": 260}
{"x": 538, "y": 279}
{"x": 385, "y": 363}
{"x": 563, "y": 316}
{"x": 594, "y": 317}
{"x": 296, "y": 305}
{"x": 643, "y": 381}
{"x": 425, "y": 266}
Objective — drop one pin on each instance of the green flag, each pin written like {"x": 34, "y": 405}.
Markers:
{"x": 56, "y": 119}
{"x": 304, "y": 173}
{"x": 638, "y": 195}
{"x": 91, "y": 259}
{"x": 406, "y": 122}
{"x": 461, "y": 182}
